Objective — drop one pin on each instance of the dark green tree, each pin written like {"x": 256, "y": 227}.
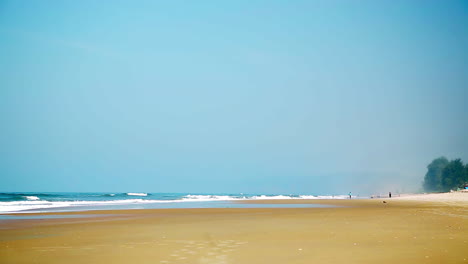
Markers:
{"x": 466, "y": 173}
{"x": 453, "y": 175}
{"x": 433, "y": 178}
{"x": 465, "y": 177}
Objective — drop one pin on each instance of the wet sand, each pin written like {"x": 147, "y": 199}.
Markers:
{"x": 359, "y": 231}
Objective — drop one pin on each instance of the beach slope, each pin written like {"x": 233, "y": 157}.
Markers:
{"x": 355, "y": 231}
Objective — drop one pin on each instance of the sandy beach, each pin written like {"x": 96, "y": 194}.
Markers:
{"x": 401, "y": 230}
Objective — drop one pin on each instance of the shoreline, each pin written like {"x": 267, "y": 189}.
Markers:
{"x": 453, "y": 198}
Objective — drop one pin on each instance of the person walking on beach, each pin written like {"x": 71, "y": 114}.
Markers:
{"x": 389, "y": 194}
{"x": 349, "y": 195}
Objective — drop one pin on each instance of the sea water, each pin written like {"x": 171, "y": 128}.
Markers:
{"x": 24, "y": 202}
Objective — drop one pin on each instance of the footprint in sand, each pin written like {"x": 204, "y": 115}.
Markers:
{"x": 214, "y": 252}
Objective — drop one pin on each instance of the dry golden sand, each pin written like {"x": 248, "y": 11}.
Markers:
{"x": 361, "y": 231}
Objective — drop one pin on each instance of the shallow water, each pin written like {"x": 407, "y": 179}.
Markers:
{"x": 173, "y": 205}
{"x": 27, "y": 217}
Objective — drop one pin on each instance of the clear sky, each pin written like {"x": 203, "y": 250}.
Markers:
{"x": 230, "y": 96}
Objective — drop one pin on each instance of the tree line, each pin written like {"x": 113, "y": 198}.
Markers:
{"x": 444, "y": 175}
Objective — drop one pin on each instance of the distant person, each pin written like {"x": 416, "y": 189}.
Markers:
{"x": 349, "y": 195}
{"x": 389, "y": 194}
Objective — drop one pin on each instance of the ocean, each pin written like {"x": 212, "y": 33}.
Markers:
{"x": 33, "y": 202}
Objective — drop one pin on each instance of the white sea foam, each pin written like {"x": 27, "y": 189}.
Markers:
{"x": 8, "y": 207}
{"x": 286, "y": 197}
{"x": 325, "y": 197}
{"x": 334, "y": 197}
{"x": 205, "y": 198}
{"x": 308, "y": 197}
{"x": 32, "y": 198}
{"x": 272, "y": 197}
{"x": 37, "y": 204}
{"x": 137, "y": 194}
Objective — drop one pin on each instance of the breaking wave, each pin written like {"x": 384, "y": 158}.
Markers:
{"x": 137, "y": 194}
{"x": 25, "y": 202}
{"x": 32, "y": 198}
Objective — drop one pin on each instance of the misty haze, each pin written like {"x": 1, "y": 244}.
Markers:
{"x": 233, "y": 131}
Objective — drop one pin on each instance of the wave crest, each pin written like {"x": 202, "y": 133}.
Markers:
{"x": 137, "y": 194}
{"x": 31, "y": 198}
{"x": 203, "y": 198}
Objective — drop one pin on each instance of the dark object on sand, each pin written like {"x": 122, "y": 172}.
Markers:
{"x": 389, "y": 194}
{"x": 384, "y": 202}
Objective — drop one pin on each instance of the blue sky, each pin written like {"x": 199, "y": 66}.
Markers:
{"x": 231, "y": 96}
